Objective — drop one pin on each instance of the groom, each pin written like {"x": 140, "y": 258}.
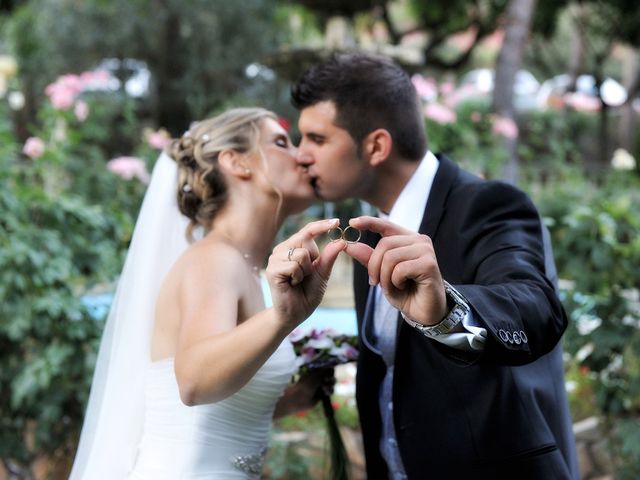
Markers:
{"x": 460, "y": 372}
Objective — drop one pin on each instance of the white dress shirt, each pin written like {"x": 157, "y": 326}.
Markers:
{"x": 412, "y": 199}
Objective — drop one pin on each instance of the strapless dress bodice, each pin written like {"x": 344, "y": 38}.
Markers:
{"x": 222, "y": 440}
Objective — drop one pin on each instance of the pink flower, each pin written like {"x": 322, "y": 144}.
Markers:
{"x": 297, "y": 335}
{"x": 505, "y": 126}
{"x": 426, "y": 87}
{"x": 461, "y": 94}
{"x": 64, "y": 90}
{"x": 128, "y": 168}
{"x": 322, "y": 348}
{"x": 582, "y": 102}
{"x": 71, "y": 81}
{"x": 323, "y": 332}
{"x": 475, "y": 117}
{"x": 344, "y": 352}
{"x": 158, "y": 139}
{"x": 34, "y": 147}
{"x": 81, "y": 111}
{"x": 93, "y": 80}
{"x": 60, "y": 96}
{"x": 321, "y": 343}
{"x": 447, "y": 88}
{"x": 439, "y": 113}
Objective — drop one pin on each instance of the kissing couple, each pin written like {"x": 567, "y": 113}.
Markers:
{"x": 460, "y": 367}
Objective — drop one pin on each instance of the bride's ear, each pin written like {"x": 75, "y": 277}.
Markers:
{"x": 234, "y": 163}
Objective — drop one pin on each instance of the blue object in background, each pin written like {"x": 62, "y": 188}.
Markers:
{"x": 342, "y": 320}
{"x": 98, "y": 305}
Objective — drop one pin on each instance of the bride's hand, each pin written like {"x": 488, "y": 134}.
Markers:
{"x": 298, "y": 272}
{"x": 306, "y": 392}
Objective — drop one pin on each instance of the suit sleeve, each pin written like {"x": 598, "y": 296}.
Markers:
{"x": 502, "y": 273}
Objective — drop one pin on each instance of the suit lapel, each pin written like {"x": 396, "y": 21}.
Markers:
{"x": 435, "y": 209}
{"x": 442, "y": 183}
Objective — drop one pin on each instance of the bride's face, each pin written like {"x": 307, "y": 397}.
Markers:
{"x": 281, "y": 168}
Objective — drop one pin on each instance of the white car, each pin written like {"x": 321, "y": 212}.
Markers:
{"x": 554, "y": 93}
{"x": 133, "y": 73}
{"x": 480, "y": 82}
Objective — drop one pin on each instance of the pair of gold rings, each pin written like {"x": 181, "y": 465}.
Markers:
{"x": 349, "y": 234}
{"x": 337, "y": 233}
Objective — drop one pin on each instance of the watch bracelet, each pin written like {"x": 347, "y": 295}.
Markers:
{"x": 450, "y": 321}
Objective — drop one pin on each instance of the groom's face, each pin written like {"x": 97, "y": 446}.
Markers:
{"x": 330, "y": 155}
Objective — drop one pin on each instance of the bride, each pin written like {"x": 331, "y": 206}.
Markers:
{"x": 192, "y": 367}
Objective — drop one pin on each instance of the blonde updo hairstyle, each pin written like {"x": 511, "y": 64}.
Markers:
{"x": 202, "y": 187}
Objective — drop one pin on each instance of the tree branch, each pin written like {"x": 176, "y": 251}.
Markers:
{"x": 462, "y": 58}
{"x": 393, "y": 32}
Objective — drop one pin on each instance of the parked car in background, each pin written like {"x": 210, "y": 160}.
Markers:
{"x": 128, "y": 74}
{"x": 557, "y": 93}
{"x": 479, "y": 83}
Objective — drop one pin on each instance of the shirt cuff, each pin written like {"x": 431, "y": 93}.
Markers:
{"x": 471, "y": 340}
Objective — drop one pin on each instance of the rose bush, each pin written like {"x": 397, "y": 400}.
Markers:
{"x": 65, "y": 227}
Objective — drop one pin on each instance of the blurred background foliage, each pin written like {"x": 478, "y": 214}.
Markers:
{"x": 90, "y": 90}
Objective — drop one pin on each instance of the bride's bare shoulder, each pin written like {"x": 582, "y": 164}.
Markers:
{"x": 209, "y": 259}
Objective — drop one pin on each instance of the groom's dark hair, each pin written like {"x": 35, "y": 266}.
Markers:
{"x": 369, "y": 92}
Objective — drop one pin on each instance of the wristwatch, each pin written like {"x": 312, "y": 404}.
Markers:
{"x": 459, "y": 309}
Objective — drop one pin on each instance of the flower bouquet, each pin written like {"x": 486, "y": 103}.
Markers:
{"x": 326, "y": 348}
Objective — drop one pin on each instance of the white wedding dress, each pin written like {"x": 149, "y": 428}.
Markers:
{"x": 135, "y": 425}
{"x": 223, "y": 440}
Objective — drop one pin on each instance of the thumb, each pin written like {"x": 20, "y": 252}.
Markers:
{"x": 324, "y": 263}
{"x": 360, "y": 251}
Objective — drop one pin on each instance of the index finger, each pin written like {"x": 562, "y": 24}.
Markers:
{"x": 312, "y": 230}
{"x": 378, "y": 225}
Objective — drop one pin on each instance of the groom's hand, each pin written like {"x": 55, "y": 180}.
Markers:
{"x": 405, "y": 265}
{"x": 298, "y": 272}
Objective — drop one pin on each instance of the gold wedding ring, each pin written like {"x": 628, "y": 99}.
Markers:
{"x": 352, "y": 237}
{"x": 338, "y": 233}
{"x": 335, "y": 234}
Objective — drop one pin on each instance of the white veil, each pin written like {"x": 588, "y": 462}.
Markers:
{"x": 115, "y": 412}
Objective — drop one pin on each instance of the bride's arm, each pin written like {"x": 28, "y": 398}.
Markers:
{"x": 215, "y": 357}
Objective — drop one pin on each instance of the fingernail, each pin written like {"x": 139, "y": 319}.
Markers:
{"x": 371, "y": 281}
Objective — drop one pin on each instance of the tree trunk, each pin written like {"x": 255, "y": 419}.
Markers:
{"x": 517, "y": 24}
{"x": 170, "y": 105}
{"x": 629, "y": 119}
{"x": 578, "y": 44}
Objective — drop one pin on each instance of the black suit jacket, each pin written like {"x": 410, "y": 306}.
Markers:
{"x": 502, "y": 413}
